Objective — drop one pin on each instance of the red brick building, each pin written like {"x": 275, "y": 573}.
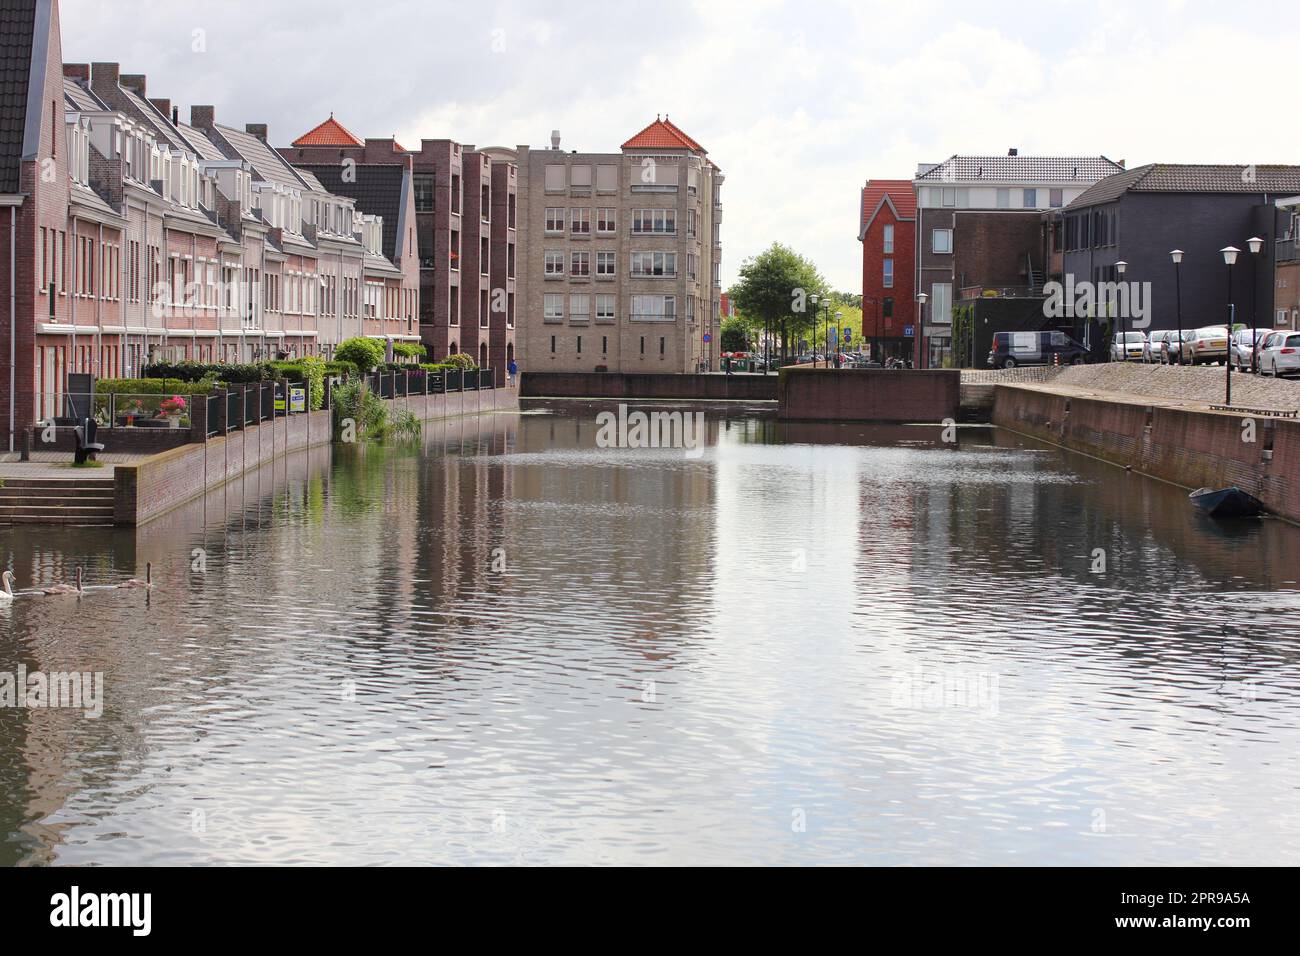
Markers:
{"x": 887, "y": 231}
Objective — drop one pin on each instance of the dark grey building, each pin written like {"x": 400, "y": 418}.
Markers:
{"x": 1141, "y": 215}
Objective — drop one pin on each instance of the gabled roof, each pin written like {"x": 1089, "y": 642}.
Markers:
{"x": 202, "y": 145}
{"x": 16, "y": 39}
{"x": 266, "y": 161}
{"x": 1187, "y": 178}
{"x": 897, "y": 192}
{"x": 80, "y": 98}
{"x": 662, "y": 134}
{"x": 329, "y": 133}
{"x": 1067, "y": 170}
{"x": 375, "y": 187}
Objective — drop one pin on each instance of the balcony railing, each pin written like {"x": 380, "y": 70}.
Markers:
{"x": 1287, "y": 250}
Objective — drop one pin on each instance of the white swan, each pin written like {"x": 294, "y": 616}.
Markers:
{"x": 137, "y": 583}
{"x": 6, "y": 588}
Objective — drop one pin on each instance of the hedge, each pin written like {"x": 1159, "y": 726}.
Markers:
{"x": 229, "y": 372}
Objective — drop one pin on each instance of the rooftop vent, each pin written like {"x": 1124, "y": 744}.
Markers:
{"x": 1013, "y": 151}
{"x": 555, "y": 139}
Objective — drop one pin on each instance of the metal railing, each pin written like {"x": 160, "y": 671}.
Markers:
{"x": 1287, "y": 250}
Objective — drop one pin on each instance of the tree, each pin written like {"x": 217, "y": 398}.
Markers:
{"x": 735, "y": 335}
{"x": 775, "y": 291}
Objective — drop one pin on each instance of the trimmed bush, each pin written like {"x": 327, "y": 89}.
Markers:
{"x": 410, "y": 349}
{"x": 230, "y": 373}
{"x": 364, "y": 354}
{"x": 311, "y": 372}
{"x": 461, "y": 361}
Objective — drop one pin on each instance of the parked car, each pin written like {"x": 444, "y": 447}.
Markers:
{"x": 1035, "y": 348}
{"x": 1244, "y": 346}
{"x": 1280, "y": 354}
{"x": 1128, "y": 344}
{"x": 1171, "y": 345}
{"x": 1151, "y": 352}
{"x": 1209, "y": 344}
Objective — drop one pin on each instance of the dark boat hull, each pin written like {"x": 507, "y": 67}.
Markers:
{"x": 1227, "y": 503}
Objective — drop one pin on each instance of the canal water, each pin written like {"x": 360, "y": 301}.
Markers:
{"x": 796, "y": 644}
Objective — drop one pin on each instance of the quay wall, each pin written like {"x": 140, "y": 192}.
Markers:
{"x": 868, "y": 395}
{"x": 651, "y": 385}
{"x": 1187, "y": 447}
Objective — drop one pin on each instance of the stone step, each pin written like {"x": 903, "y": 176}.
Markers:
{"x": 102, "y": 484}
{"x": 56, "y": 511}
{"x": 76, "y": 521}
{"x": 48, "y": 501}
{"x": 25, "y": 494}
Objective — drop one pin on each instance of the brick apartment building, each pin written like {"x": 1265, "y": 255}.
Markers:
{"x": 1139, "y": 216}
{"x": 984, "y": 228}
{"x": 1286, "y": 275}
{"x": 136, "y": 237}
{"x": 887, "y": 231}
{"x": 621, "y": 255}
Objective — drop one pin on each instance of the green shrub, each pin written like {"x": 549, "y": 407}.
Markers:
{"x": 410, "y": 349}
{"x": 311, "y": 372}
{"x": 372, "y": 419}
{"x": 364, "y": 354}
{"x": 229, "y": 372}
{"x": 438, "y": 367}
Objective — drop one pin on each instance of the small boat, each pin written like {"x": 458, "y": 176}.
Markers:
{"x": 1227, "y": 503}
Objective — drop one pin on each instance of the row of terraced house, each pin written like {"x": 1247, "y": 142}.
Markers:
{"x": 133, "y": 232}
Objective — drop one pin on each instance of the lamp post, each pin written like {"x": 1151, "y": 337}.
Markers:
{"x": 921, "y": 299}
{"x": 1230, "y": 254}
{"x": 838, "y": 316}
{"x": 1254, "y": 244}
{"x": 1120, "y": 268}
{"x": 1177, "y": 256}
{"x": 812, "y": 331}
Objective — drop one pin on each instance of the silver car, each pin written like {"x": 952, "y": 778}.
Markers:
{"x": 1209, "y": 344}
{"x": 1244, "y": 348}
{"x": 1151, "y": 351}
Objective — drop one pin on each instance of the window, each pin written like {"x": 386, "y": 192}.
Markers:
{"x": 580, "y": 177}
{"x": 889, "y": 240}
{"x": 654, "y": 264}
{"x": 604, "y": 345}
{"x": 579, "y": 344}
{"x": 554, "y": 264}
{"x": 556, "y": 179}
{"x": 662, "y": 342}
{"x": 654, "y": 308}
{"x": 1056, "y": 198}
{"x": 553, "y": 308}
{"x": 949, "y": 196}
{"x": 1031, "y": 198}
{"x": 690, "y": 223}
{"x": 605, "y": 264}
{"x": 889, "y": 274}
{"x": 554, "y": 220}
{"x": 423, "y": 192}
{"x": 691, "y": 260}
{"x": 887, "y": 307}
{"x": 654, "y": 221}
{"x": 580, "y": 264}
{"x": 455, "y": 193}
{"x": 606, "y": 179}
{"x": 485, "y": 203}
{"x": 1004, "y": 198}
{"x": 579, "y": 308}
{"x": 552, "y": 344}
{"x": 580, "y": 220}
{"x": 941, "y": 241}
{"x": 605, "y": 308}
{"x": 940, "y": 312}
{"x": 606, "y": 221}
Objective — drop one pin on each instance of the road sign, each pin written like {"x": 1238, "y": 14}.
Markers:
{"x": 848, "y": 334}
{"x": 708, "y": 337}
{"x": 909, "y": 331}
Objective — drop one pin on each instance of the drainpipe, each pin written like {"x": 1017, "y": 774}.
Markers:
{"x": 13, "y": 319}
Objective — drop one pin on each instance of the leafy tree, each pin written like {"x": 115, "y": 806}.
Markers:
{"x": 735, "y": 335}
{"x": 363, "y": 353}
{"x": 775, "y": 292}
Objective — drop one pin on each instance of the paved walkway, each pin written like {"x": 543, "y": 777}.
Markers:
{"x": 58, "y": 464}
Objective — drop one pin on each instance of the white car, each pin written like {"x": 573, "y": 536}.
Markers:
{"x": 1151, "y": 352}
{"x": 1172, "y": 345}
{"x": 1209, "y": 344}
{"x": 1280, "y": 354}
{"x": 1245, "y": 343}
{"x": 1130, "y": 344}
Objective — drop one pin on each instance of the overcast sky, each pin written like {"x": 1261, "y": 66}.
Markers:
{"x": 798, "y": 102}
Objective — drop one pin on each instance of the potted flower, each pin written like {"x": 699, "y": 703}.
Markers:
{"x": 129, "y": 410}
{"x": 172, "y": 409}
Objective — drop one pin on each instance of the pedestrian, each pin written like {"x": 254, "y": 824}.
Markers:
{"x": 512, "y": 370}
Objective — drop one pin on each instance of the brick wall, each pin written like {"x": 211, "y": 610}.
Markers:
{"x": 665, "y": 385}
{"x": 868, "y": 395}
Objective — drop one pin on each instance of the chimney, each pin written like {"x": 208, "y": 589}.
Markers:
{"x": 555, "y": 139}
{"x": 203, "y": 117}
{"x": 77, "y": 71}
{"x": 162, "y": 105}
{"x": 1013, "y": 151}
{"x": 136, "y": 83}
{"x": 176, "y": 116}
{"x": 1122, "y": 164}
{"x": 256, "y": 129}
{"x": 103, "y": 75}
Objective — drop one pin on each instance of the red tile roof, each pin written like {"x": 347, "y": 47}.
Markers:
{"x": 900, "y": 193}
{"x": 329, "y": 133}
{"x": 662, "y": 134}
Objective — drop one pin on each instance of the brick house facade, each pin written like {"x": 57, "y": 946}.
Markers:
{"x": 887, "y": 231}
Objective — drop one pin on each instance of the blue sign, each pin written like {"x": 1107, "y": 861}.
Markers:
{"x": 909, "y": 331}
{"x": 708, "y": 337}
{"x": 848, "y": 334}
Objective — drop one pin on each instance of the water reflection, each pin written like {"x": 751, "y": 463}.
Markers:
{"x": 809, "y": 644}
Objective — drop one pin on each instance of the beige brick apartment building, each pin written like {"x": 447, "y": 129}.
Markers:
{"x": 620, "y": 256}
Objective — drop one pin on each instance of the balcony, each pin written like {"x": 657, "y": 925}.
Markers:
{"x": 1286, "y": 250}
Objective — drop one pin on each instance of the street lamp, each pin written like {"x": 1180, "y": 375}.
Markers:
{"x": 812, "y": 332}
{"x": 921, "y": 299}
{"x": 838, "y": 316}
{"x": 1121, "y": 267}
{"x": 1177, "y": 256}
{"x": 1255, "y": 244}
{"x": 1230, "y": 254}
